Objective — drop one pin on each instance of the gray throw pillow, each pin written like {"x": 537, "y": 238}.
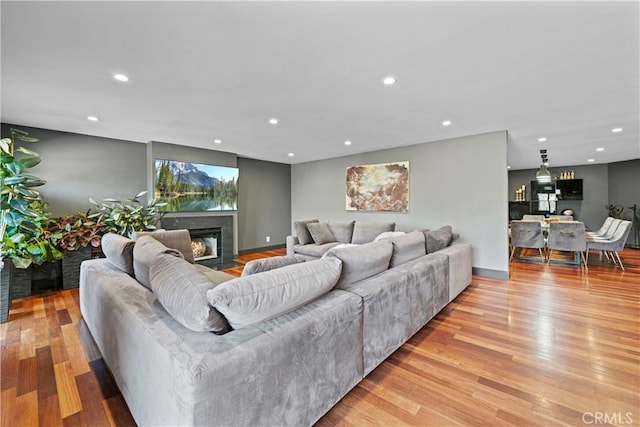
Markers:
{"x": 365, "y": 232}
{"x": 119, "y": 251}
{"x": 267, "y": 264}
{"x": 362, "y": 261}
{"x": 252, "y": 299}
{"x": 182, "y": 288}
{"x": 407, "y": 248}
{"x": 438, "y": 239}
{"x": 320, "y": 233}
{"x": 342, "y": 231}
{"x": 302, "y": 232}
{"x": 174, "y": 239}
{"x": 145, "y": 251}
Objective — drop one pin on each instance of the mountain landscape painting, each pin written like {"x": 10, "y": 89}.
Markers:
{"x": 186, "y": 186}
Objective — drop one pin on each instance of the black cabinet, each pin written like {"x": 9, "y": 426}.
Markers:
{"x": 569, "y": 189}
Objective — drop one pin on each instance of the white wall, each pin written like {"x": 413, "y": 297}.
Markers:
{"x": 460, "y": 181}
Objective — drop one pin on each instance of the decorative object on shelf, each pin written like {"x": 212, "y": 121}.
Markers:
{"x": 568, "y": 175}
{"x": 521, "y": 194}
{"x": 569, "y": 212}
{"x": 543, "y": 174}
{"x": 198, "y": 247}
{"x": 380, "y": 187}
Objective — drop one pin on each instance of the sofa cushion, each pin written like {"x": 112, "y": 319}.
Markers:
{"x": 407, "y": 248}
{"x": 361, "y": 262}
{"x": 342, "y": 231}
{"x": 182, "y": 288}
{"x": 174, "y": 239}
{"x": 313, "y": 250}
{"x": 320, "y": 233}
{"x": 215, "y": 276}
{"x": 252, "y": 299}
{"x": 271, "y": 263}
{"x": 119, "y": 251}
{"x": 304, "y": 238}
{"x": 365, "y": 232}
{"x": 438, "y": 239}
{"x": 145, "y": 251}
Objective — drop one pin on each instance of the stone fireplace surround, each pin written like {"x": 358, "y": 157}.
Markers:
{"x": 196, "y": 222}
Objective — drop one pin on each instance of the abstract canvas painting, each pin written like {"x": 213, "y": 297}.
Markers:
{"x": 381, "y": 187}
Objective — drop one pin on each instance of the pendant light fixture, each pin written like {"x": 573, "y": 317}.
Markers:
{"x": 543, "y": 175}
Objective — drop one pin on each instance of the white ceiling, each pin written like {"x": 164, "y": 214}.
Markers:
{"x": 205, "y": 70}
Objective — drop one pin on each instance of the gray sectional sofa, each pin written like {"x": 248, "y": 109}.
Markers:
{"x": 278, "y": 346}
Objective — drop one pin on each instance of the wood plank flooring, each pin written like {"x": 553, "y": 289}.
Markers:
{"x": 551, "y": 346}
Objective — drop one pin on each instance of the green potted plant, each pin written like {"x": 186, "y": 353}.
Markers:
{"x": 75, "y": 235}
{"x": 23, "y": 217}
{"x": 128, "y": 216}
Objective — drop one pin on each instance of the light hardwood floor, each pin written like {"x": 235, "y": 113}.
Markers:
{"x": 550, "y": 346}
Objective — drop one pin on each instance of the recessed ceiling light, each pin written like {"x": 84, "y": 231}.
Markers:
{"x": 542, "y": 139}
{"x": 273, "y": 121}
{"x": 347, "y": 143}
{"x": 290, "y": 154}
{"x": 92, "y": 118}
{"x": 591, "y": 160}
{"x": 446, "y": 123}
{"x": 121, "y": 77}
{"x": 616, "y": 130}
{"x": 389, "y": 80}
{"x": 599, "y": 149}
{"x": 217, "y": 141}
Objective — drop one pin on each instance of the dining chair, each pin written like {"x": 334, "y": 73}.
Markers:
{"x": 567, "y": 236}
{"x": 527, "y": 234}
{"x": 612, "y": 246}
{"x": 603, "y": 229}
{"x": 527, "y": 217}
{"x": 561, "y": 217}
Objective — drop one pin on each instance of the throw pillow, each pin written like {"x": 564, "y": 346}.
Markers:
{"x": 182, "y": 290}
{"x": 342, "y": 231}
{"x": 320, "y": 233}
{"x": 304, "y": 238}
{"x": 145, "y": 251}
{"x": 119, "y": 251}
{"x": 174, "y": 239}
{"x": 438, "y": 239}
{"x": 388, "y": 235}
{"x": 407, "y": 248}
{"x": 362, "y": 261}
{"x": 365, "y": 232}
{"x": 267, "y": 264}
{"x": 252, "y": 299}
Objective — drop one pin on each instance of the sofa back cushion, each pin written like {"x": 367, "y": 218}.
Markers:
{"x": 362, "y": 261}
{"x": 174, "y": 239}
{"x": 248, "y": 300}
{"x": 182, "y": 288}
{"x": 438, "y": 239}
{"x": 145, "y": 251}
{"x": 320, "y": 233}
{"x": 271, "y": 263}
{"x": 365, "y": 232}
{"x": 342, "y": 231}
{"x": 304, "y": 238}
{"x": 407, "y": 248}
{"x": 119, "y": 251}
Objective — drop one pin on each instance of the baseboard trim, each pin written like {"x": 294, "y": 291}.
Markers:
{"x": 262, "y": 249}
{"x": 492, "y": 274}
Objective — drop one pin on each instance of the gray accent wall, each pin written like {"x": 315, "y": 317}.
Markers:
{"x": 264, "y": 205}
{"x": 77, "y": 167}
{"x": 461, "y": 182}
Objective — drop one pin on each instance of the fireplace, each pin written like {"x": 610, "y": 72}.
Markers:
{"x": 211, "y": 237}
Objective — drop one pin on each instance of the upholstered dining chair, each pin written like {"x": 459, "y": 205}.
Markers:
{"x": 603, "y": 229}
{"x": 527, "y": 217}
{"x": 527, "y": 234}
{"x": 561, "y": 217}
{"x": 567, "y": 236}
{"x": 612, "y": 246}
